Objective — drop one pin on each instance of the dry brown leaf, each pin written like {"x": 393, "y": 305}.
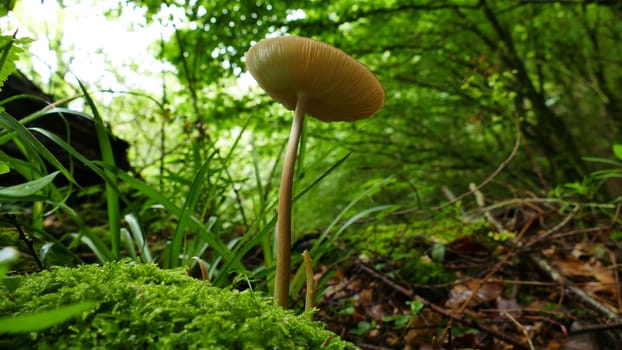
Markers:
{"x": 573, "y": 267}
{"x": 422, "y": 328}
{"x": 549, "y": 252}
{"x": 589, "y": 269}
{"x": 366, "y": 296}
{"x": 487, "y": 292}
{"x": 603, "y": 274}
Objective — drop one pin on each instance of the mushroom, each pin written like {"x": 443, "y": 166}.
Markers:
{"x": 309, "y": 77}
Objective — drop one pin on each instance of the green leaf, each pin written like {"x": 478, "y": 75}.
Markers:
{"x": 616, "y": 236}
{"x": 4, "y": 168}
{"x": 363, "y": 327}
{"x": 617, "y": 150}
{"x": 438, "y": 252}
{"x": 415, "y": 306}
{"x": 112, "y": 198}
{"x": 30, "y": 141}
{"x": 192, "y": 199}
{"x": 201, "y": 229}
{"x": 96, "y": 245}
{"x": 43, "y": 319}
{"x": 10, "y": 49}
{"x": 6, "y": 6}
{"x": 27, "y": 189}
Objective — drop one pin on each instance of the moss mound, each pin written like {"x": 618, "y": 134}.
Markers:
{"x": 140, "y": 306}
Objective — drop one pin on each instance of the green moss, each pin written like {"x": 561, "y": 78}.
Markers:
{"x": 140, "y": 306}
{"x": 410, "y": 247}
{"x": 382, "y": 237}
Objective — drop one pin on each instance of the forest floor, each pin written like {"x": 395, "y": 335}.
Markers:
{"x": 528, "y": 273}
{"x": 525, "y": 273}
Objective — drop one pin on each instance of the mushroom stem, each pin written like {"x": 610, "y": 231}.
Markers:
{"x": 283, "y": 255}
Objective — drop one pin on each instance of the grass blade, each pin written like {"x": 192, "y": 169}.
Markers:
{"x": 112, "y": 199}
{"x": 192, "y": 199}
{"x": 43, "y": 319}
{"x": 28, "y": 188}
{"x": 28, "y": 139}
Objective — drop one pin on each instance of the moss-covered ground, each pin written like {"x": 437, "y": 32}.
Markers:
{"x": 139, "y": 306}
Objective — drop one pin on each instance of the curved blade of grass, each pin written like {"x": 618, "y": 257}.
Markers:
{"x": 25, "y": 167}
{"x": 137, "y": 233}
{"x": 4, "y": 168}
{"x": 72, "y": 151}
{"x": 94, "y": 166}
{"x": 353, "y": 202}
{"x": 10, "y": 123}
{"x": 126, "y": 240}
{"x": 193, "y": 223}
{"x": 241, "y": 250}
{"x": 112, "y": 199}
{"x": 28, "y": 188}
{"x": 96, "y": 245}
{"x": 43, "y": 319}
{"x": 225, "y": 164}
{"x": 85, "y": 235}
{"x": 175, "y": 248}
{"x": 603, "y": 161}
{"x": 262, "y": 204}
{"x": 6, "y": 134}
{"x": 321, "y": 177}
{"x": 322, "y": 247}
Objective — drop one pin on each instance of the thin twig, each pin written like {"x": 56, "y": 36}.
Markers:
{"x": 29, "y": 242}
{"x": 522, "y": 328}
{"x": 565, "y": 234}
{"x": 490, "y": 177}
{"x": 549, "y": 233}
{"x": 536, "y": 168}
{"x": 616, "y": 274}
{"x": 597, "y": 327}
{"x": 476, "y": 188}
{"x": 481, "y": 202}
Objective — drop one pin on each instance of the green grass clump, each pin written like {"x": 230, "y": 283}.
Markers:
{"x": 139, "y": 306}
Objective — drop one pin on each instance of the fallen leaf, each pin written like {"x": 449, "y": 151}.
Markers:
{"x": 487, "y": 292}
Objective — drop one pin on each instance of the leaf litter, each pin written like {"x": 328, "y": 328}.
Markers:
{"x": 549, "y": 279}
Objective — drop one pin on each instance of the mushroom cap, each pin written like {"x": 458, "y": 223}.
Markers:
{"x": 336, "y": 86}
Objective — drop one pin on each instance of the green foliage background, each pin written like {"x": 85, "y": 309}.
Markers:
{"x": 463, "y": 78}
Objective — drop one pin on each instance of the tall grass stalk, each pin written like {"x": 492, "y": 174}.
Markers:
{"x": 112, "y": 199}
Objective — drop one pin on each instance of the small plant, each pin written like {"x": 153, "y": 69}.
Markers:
{"x": 588, "y": 188}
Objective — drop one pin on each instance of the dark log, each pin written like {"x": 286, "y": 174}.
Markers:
{"x": 76, "y": 129}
